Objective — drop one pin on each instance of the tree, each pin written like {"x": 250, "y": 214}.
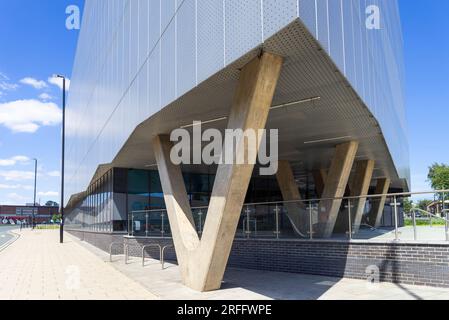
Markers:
{"x": 408, "y": 205}
{"x": 51, "y": 204}
{"x": 439, "y": 176}
{"x": 56, "y": 217}
{"x": 423, "y": 204}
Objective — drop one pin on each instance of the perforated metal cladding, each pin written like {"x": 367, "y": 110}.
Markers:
{"x": 210, "y": 35}
{"x": 307, "y": 72}
{"x": 277, "y": 14}
{"x": 137, "y": 57}
{"x": 370, "y": 59}
{"x": 243, "y": 28}
{"x": 186, "y": 47}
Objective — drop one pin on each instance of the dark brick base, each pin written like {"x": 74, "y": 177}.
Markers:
{"x": 418, "y": 264}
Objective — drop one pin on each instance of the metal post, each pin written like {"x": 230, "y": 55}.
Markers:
{"x": 132, "y": 224}
{"x": 146, "y": 224}
{"x": 445, "y": 215}
{"x": 310, "y": 221}
{"x": 61, "y": 229}
{"x": 277, "y": 232}
{"x": 415, "y": 235}
{"x": 248, "y": 212}
{"x": 34, "y": 201}
{"x": 396, "y": 231}
{"x": 349, "y": 219}
{"x": 200, "y": 214}
{"x": 162, "y": 225}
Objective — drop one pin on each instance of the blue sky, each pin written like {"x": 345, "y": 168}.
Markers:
{"x": 36, "y": 44}
{"x": 426, "y": 50}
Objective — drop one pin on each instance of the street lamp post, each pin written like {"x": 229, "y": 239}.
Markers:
{"x": 34, "y": 198}
{"x": 61, "y": 230}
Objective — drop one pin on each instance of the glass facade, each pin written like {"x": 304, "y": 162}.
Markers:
{"x": 109, "y": 201}
{"x": 95, "y": 211}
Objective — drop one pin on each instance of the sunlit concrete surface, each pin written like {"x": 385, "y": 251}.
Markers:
{"x": 243, "y": 284}
{"x": 36, "y": 266}
{"x": 423, "y": 234}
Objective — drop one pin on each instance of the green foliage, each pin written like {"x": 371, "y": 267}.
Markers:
{"x": 424, "y": 222}
{"x": 423, "y": 204}
{"x": 408, "y": 205}
{"x": 439, "y": 176}
{"x": 56, "y": 217}
{"x": 51, "y": 204}
{"x": 47, "y": 227}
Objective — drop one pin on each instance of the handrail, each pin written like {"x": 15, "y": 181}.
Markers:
{"x": 431, "y": 214}
{"x": 370, "y": 196}
{"x": 111, "y": 246}
{"x": 149, "y": 246}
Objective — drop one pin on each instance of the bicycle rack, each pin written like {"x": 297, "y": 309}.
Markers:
{"x": 149, "y": 246}
{"x": 163, "y": 254}
{"x": 112, "y": 245}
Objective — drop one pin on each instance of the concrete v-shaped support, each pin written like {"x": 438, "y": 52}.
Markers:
{"x": 360, "y": 187}
{"x": 319, "y": 177}
{"x": 296, "y": 211}
{"x": 378, "y": 204}
{"x": 203, "y": 262}
{"x": 335, "y": 186}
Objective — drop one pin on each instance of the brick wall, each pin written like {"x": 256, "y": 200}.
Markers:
{"x": 419, "y": 264}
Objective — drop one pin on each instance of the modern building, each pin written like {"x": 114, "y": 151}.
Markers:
{"x": 328, "y": 74}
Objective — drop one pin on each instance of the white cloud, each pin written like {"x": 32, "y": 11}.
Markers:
{"x": 29, "y": 115}
{"x": 5, "y": 84}
{"x": 48, "y": 194}
{"x": 15, "y": 175}
{"x": 13, "y": 161}
{"x": 16, "y": 197}
{"x": 45, "y": 97}
{"x": 36, "y": 84}
{"x": 55, "y": 174}
{"x": 14, "y": 187}
{"x": 58, "y": 82}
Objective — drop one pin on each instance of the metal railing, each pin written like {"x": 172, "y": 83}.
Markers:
{"x": 355, "y": 218}
{"x": 431, "y": 215}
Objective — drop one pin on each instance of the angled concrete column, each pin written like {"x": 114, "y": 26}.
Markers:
{"x": 320, "y": 176}
{"x": 182, "y": 224}
{"x": 335, "y": 186}
{"x": 375, "y": 217}
{"x": 360, "y": 187}
{"x": 295, "y": 210}
{"x": 203, "y": 262}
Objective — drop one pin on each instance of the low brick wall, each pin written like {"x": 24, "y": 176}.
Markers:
{"x": 100, "y": 240}
{"x": 407, "y": 263}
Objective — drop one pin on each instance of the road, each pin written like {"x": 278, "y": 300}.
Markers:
{"x": 4, "y": 235}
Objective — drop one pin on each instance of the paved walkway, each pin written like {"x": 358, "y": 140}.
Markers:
{"x": 243, "y": 284}
{"x": 36, "y": 266}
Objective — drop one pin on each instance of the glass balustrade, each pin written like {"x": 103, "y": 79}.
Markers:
{"x": 390, "y": 217}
